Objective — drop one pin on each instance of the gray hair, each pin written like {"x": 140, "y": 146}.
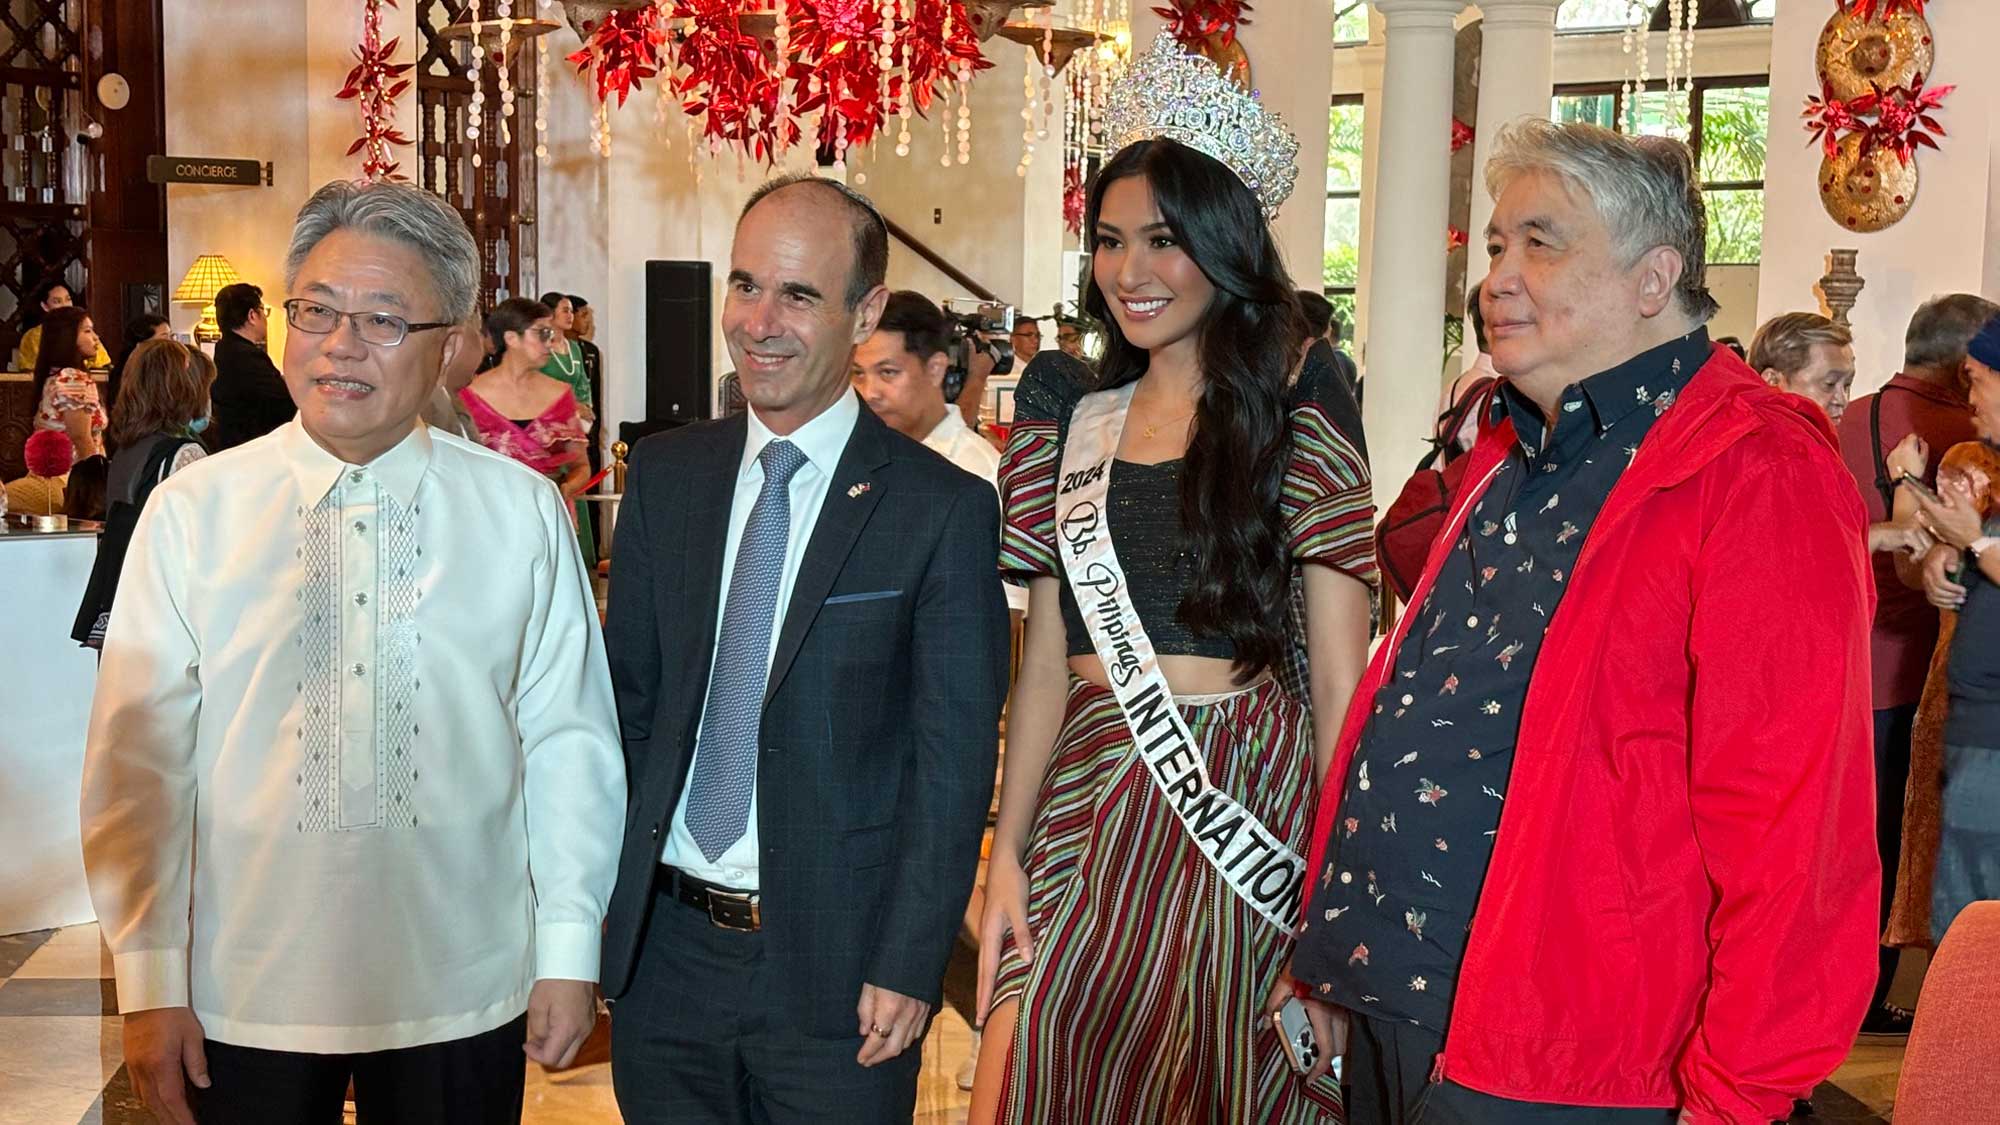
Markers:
{"x": 1942, "y": 327}
{"x": 1644, "y": 188}
{"x": 399, "y": 212}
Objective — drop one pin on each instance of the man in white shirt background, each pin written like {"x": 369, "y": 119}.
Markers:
{"x": 367, "y": 653}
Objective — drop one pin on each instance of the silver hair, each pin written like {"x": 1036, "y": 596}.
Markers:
{"x": 1943, "y": 327}
{"x": 399, "y": 212}
{"x": 1644, "y": 188}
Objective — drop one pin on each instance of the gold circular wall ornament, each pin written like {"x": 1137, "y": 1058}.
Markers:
{"x": 1856, "y": 55}
{"x": 1869, "y": 191}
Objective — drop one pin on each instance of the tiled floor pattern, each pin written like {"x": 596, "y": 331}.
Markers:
{"x": 60, "y": 1060}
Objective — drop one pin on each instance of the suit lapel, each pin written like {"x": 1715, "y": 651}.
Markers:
{"x": 711, "y": 491}
{"x": 841, "y": 518}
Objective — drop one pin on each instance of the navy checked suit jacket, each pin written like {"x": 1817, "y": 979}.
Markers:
{"x": 881, "y": 715}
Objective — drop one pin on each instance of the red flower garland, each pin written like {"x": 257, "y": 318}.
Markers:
{"x": 1193, "y": 22}
{"x": 376, "y": 83}
{"x": 725, "y": 79}
{"x": 1903, "y": 121}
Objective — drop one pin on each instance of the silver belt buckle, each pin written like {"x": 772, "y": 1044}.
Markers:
{"x": 743, "y": 904}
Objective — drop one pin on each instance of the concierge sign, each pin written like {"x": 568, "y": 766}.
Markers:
{"x": 206, "y": 170}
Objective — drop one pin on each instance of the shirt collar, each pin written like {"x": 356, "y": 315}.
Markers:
{"x": 1612, "y": 394}
{"x": 1924, "y": 388}
{"x": 822, "y": 440}
{"x": 947, "y": 430}
{"x": 400, "y": 470}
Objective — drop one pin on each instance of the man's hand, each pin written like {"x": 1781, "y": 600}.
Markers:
{"x": 1907, "y": 538}
{"x": 162, "y": 1044}
{"x": 889, "y": 1023}
{"x": 1956, "y": 520}
{"x": 1329, "y": 1024}
{"x": 560, "y": 1016}
{"x": 1942, "y": 591}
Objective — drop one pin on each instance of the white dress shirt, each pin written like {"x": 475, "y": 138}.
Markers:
{"x": 961, "y": 445}
{"x": 822, "y": 440}
{"x": 353, "y": 780}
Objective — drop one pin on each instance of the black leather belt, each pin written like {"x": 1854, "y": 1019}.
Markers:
{"x": 730, "y": 910}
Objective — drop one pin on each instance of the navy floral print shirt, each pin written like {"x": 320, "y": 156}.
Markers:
{"x": 1390, "y": 912}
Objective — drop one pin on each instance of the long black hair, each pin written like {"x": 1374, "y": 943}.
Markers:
{"x": 1233, "y": 476}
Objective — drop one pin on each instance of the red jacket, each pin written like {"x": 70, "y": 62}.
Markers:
{"x": 1681, "y": 905}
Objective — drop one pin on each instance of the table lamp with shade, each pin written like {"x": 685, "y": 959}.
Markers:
{"x": 209, "y": 274}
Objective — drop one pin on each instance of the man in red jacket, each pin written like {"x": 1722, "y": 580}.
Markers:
{"x": 1591, "y": 850}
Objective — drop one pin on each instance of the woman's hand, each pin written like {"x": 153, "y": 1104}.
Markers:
{"x": 1909, "y": 538}
{"x": 1329, "y": 1024}
{"x": 1956, "y": 520}
{"x": 1006, "y": 909}
{"x": 1911, "y": 455}
{"x": 81, "y": 424}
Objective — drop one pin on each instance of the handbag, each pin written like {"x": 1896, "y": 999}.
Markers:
{"x": 95, "y": 612}
{"x": 1411, "y": 524}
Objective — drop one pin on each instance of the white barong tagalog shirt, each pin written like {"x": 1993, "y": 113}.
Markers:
{"x": 354, "y": 779}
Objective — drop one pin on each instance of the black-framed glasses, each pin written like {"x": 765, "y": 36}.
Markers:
{"x": 384, "y": 330}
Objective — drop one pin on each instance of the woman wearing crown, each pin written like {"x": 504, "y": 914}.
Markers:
{"x": 1205, "y": 531}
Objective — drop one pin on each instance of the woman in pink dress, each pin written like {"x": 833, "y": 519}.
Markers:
{"x": 521, "y": 412}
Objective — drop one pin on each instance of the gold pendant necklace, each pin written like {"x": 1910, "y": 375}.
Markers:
{"x": 1154, "y": 429}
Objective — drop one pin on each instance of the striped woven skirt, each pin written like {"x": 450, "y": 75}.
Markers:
{"x": 1144, "y": 1001}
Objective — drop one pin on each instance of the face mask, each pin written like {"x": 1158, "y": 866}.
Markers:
{"x": 198, "y": 425}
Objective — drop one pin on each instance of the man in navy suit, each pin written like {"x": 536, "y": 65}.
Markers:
{"x": 808, "y": 641}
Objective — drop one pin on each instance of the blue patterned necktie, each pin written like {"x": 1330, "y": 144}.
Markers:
{"x": 725, "y": 761}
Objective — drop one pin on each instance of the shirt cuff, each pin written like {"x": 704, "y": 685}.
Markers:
{"x": 567, "y": 951}
{"x": 151, "y": 978}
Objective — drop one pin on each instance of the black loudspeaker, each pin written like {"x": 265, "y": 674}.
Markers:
{"x": 678, "y": 330}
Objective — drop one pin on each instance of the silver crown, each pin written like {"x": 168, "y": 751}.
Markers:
{"x": 1169, "y": 92}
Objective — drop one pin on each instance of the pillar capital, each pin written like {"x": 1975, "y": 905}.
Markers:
{"x": 1400, "y": 14}
{"x": 1519, "y": 13}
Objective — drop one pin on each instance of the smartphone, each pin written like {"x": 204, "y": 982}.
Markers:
{"x": 1295, "y": 1033}
{"x": 1923, "y": 490}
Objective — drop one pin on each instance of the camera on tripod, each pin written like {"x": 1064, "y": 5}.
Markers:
{"x": 976, "y": 327}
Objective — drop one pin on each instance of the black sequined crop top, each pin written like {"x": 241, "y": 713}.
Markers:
{"x": 1145, "y": 516}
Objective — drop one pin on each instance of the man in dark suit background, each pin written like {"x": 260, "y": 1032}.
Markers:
{"x": 809, "y": 645}
{"x": 249, "y": 398}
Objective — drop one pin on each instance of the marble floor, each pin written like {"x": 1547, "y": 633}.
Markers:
{"x": 60, "y": 1060}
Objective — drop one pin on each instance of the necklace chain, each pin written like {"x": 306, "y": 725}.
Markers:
{"x": 564, "y": 363}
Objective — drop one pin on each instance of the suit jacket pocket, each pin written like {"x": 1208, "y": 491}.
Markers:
{"x": 868, "y": 847}
{"x": 869, "y": 596}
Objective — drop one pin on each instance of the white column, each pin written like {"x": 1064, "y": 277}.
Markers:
{"x": 1407, "y": 275}
{"x": 1516, "y": 79}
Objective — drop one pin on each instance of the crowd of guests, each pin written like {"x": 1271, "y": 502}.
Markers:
{"x": 1568, "y": 846}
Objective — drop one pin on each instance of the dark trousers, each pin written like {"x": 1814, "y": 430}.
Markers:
{"x": 1893, "y": 726}
{"x": 473, "y": 1081}
{"x": 1387, "y": 1074}
{"x": 703, "y": 1035}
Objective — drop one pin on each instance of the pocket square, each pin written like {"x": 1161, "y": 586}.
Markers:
{"x": 870, "y": 596}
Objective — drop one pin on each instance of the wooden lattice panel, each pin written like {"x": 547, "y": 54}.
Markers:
{"x": 44, "y": 193}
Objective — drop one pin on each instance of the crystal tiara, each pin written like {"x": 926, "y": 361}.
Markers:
{"x": 1169, "y": 92}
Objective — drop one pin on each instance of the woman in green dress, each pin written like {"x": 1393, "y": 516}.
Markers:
{"x": 566, "y": 363}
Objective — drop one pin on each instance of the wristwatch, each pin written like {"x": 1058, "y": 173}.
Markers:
{"x": 1978, "y": 546}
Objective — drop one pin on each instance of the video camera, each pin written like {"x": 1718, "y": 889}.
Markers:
{"x": 976, "y": 326}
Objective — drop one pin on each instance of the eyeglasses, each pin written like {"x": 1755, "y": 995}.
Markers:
{"x": 383, "y": 330}
{"x": 545, "y": 335}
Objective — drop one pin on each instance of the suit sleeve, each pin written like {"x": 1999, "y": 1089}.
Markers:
{"x": 1782, "y": 791}
{"x": 631, "y": 632}
{"x": 959, "y": 679}
{"x": 138, "y": 803}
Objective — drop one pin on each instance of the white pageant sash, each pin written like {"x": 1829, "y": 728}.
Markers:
{"x": 1258, "y": 866}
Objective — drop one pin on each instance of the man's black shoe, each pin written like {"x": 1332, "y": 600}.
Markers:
{"x": 1887, "y": 1021}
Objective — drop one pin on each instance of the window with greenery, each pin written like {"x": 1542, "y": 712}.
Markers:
{"x": 1350, "y": 21}
{"x": 1728, "y": 124}
{"x": 1602, "y": 15}
{"x": 1344, "y": 132}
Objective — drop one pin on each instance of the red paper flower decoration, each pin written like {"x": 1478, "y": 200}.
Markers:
{"x": 834, "y": 67}
{"x": 624, "y": 50}
{"x": 1195, "y": 21}
{"x": 727, "y": 81}
{"x": 1904, "y": 122}
{"x": 934, "y": 57}
{"x": 1454, "y": 238}
{"x": 1829, "y": 119}
{"x": 376, "y": 83}
{"x": 1867, "y": 9}
{"x": 1461, "y": 135}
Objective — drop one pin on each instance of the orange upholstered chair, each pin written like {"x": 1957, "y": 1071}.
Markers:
{"x": 1951, "y": 1071}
